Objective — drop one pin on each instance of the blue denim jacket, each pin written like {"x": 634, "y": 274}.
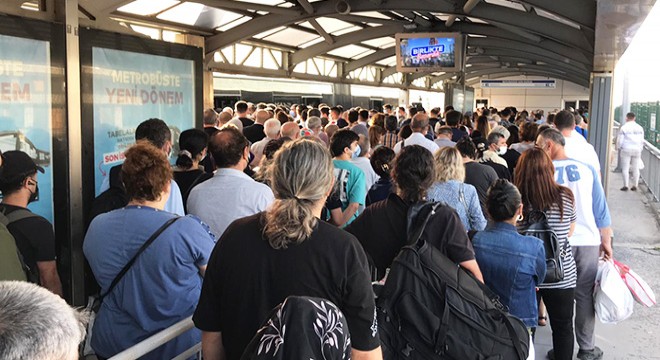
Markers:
{"x": 512, "y": 266}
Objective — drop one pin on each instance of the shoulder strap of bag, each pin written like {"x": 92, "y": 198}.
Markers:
{"x": 543, "y": 216}
{"x": 514, "y": 337}
{"x": 495, "y": 299}
{"x": 137, "y": 254}
{"x": 415, "y": 226}
{"x": 16, "y": 215}
{"x": 19, "y": 214}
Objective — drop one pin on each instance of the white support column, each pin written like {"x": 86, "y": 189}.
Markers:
{"x": 404, "y": 97}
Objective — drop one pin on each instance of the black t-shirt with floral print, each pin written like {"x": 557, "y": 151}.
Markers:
{"x": 246, "y": 278}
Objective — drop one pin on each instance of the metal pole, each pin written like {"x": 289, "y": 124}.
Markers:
{"x": 600, "y": 129}
{"x": 67, "y": 12}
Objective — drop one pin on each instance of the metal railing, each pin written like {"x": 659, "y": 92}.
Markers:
{"x": 650, "y": 175}
{"x": 151, "y": 343}
{"x": 651, "y": 172}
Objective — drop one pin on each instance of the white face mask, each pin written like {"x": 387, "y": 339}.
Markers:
{"x": 502, "y": 150}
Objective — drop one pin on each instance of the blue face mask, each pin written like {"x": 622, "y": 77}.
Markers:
{"x": 356, "y": 152}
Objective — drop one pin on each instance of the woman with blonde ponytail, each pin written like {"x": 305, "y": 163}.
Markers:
{"x": 286, "y": 250}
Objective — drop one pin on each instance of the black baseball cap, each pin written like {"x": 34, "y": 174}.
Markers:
{"x": 16, "y": 165}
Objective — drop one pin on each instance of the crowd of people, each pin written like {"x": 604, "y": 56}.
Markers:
{"x": 270, "y": 201}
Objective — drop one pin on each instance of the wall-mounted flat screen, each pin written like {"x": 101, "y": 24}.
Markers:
{"x": 428, "y": 52}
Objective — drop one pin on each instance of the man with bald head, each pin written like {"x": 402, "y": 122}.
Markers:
{"x": 290, "y": 130}
{"x": 223, "y": 118}
{"x": 255, "y": 132}
{"x": 419, "y": 126}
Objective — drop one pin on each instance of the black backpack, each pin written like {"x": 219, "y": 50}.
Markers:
{"x": 430, "y": 308}
{"x": 111, "y": 199}
{"x": 540, "y": 228}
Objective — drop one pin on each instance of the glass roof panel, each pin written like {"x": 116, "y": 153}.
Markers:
{"x": 149, "y": 31}
{"x": 306, "y": 24}
{"x": 268, "y": 32}
{"x": 477, "y": 20}
{"x": 331, "y": 25}
{"x": 170, "y": 35}
{"x": 348, "y": 51}
{"x": 382, "y": 42}
{"x": 373, "y": 14}
{"x": 506, "y": 3}
{"x": 346, "y": 31}
{"x": 441, "y": 16}
{"x": 32, "y": 5}
{"x": 310, "y": 43}
{"x": 234, "y": 23}
{"x": 191, "y": 13}
{"x": 264, "y": 2}
{"x": 554, "y": 17}
{"x": 186, "y": 13}
{"x": 360, "y": 56}
{"x": 390, "y": 61}
{"x": 291, "y": 37}
{"x": 147, "y": 7}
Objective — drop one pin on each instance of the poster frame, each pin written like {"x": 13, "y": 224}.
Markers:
{"x": 16, "y": 26}
{"x": 90, "y": 38}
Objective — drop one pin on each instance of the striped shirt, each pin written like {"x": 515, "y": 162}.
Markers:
{"x": 561, "y": 226}
{"x": 390, "y": 139}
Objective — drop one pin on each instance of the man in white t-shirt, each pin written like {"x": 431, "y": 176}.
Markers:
{"x": 630, "y": 143}
{"x": 419, "y": 126}
{"x": 592, "y": 235}
{"x": 577, "y": 147}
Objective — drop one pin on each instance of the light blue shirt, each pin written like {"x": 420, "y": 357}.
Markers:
{"x": 160, "y": 289}
{"x": 229, "y": 195}
{"x": 466, "y": 205}
{"x": 174, "y": 202}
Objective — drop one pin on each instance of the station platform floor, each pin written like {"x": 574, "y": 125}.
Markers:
{"x": 636, "y": 225}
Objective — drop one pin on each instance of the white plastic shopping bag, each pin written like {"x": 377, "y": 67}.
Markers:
{"x": 612, "y": 298}
{"x": 640, "y": 290}
{"x": 532, "y": 351}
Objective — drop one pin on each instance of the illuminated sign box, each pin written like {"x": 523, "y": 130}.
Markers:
{"x": 519, "y": 84}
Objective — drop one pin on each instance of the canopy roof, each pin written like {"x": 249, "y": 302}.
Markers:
{"x": 553, "y": 38}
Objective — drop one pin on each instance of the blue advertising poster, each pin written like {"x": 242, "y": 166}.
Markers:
{"x": 25, "y": 109}
{"x": 130, "y": 88}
